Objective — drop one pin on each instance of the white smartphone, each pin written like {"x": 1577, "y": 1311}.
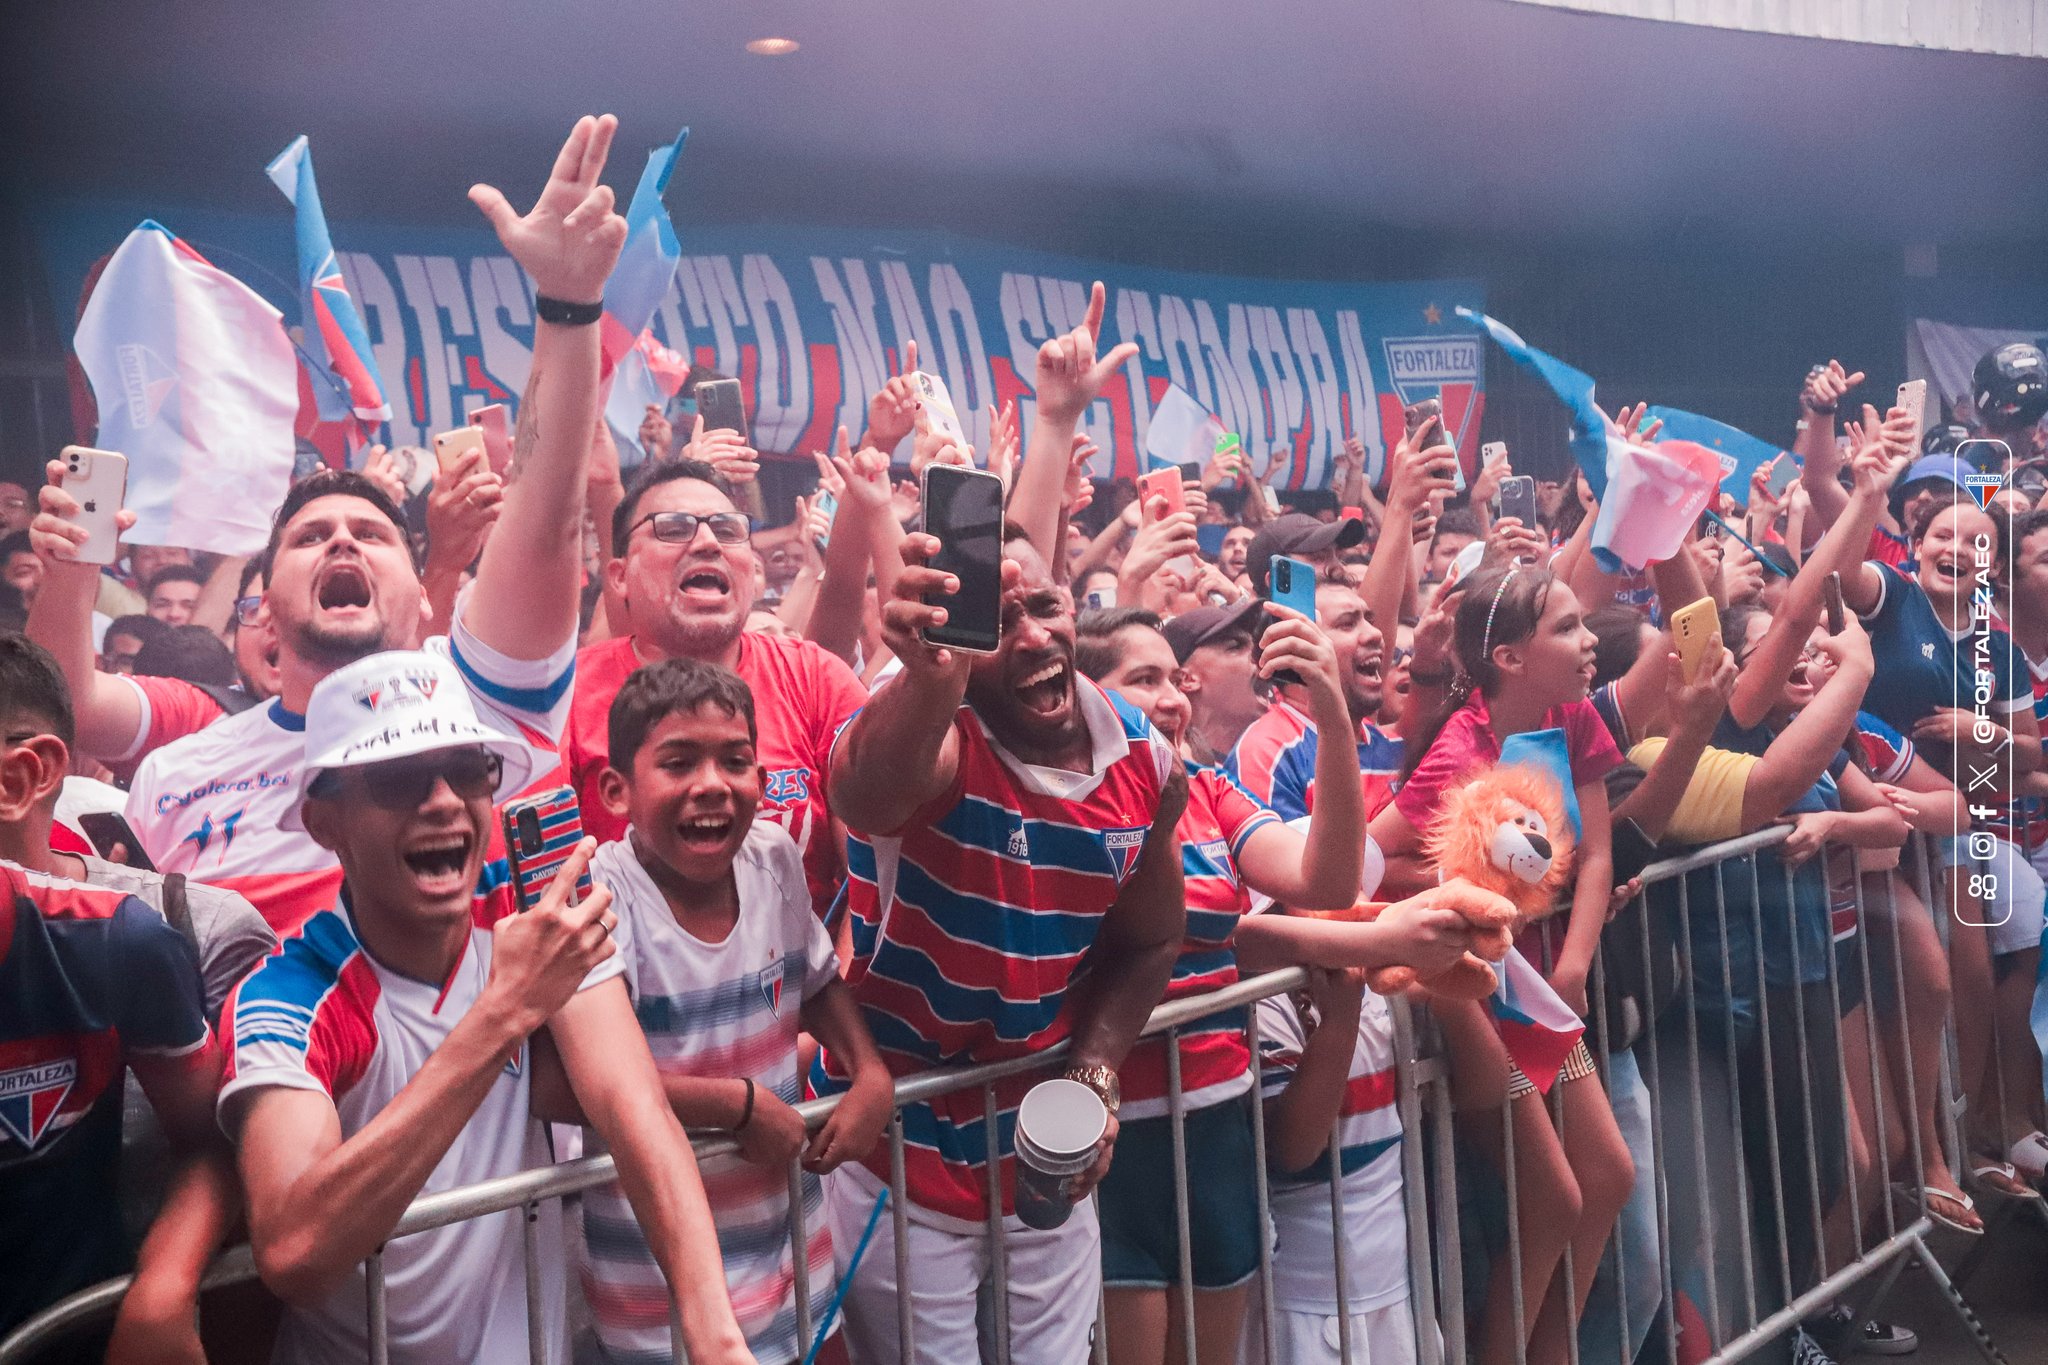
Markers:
{"x": 1491, "y": 451}
{"x": 99, "y": 480}
{"x": 1913, "y": 398}
{"x": 937, "y": 413}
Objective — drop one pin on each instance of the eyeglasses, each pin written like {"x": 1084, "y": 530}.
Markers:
{"x": 680, "y": 528}
{"x": 248, "y": 610}
{"x": 406, "y": 783}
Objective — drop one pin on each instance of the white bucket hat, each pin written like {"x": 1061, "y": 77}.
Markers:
{"x": 395, "y": 705}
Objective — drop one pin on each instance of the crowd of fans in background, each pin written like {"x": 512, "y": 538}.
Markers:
{"x": 813, "y": 831}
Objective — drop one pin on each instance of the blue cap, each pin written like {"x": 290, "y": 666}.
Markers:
{"x": 1938, "y": 467}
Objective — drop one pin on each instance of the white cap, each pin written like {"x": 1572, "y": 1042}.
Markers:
{"x": 395, "y": 705}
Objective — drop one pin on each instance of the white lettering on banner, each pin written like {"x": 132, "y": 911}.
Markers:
{"x": 377, "y": 301}
{"x": 782, "y": 387}
{"x": 1323, "y": 389}
{"x": 1183, "y": 352}
{"x": 1134, "y": 322}
{"x": 1285, "y": 402}
{"x": 498, "y": 287}
{"x": 1365, "y": 407}
{"x": 863, "y": 365}
{"x": 966, "y": 371}
{"x": 719, "y": 306}
{"x": 1238, "y": 401}
{"x": 1024, "y": 330}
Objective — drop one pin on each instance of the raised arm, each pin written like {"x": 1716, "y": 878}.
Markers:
{"x": 1802, "y": 751}
{"x": 109, "y": 708}
{"x": 525, "y": 598}
{"x": 1419, "y": 473}
{"x": 901, "y": 751}
{"x": 1814, "y": 444}
{"x": 1070, "y": 377}
{"x": 613, "y": 1076}
{"x": 1696, "y": 708}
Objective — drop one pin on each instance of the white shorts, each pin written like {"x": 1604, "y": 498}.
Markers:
{"x": 1055, "y": 1281}
{"x": 2013, "y": 913}
{"x": 1384, "y": 1336}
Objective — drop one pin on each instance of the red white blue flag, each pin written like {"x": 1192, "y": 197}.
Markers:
{"x": 346, "y": 383}
{"x": 647, "y": 265}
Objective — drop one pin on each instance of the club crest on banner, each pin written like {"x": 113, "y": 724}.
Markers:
{"x": 30, "y": 1097}
{"x": 1445, "y": 368}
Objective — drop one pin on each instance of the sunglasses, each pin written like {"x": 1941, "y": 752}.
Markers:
{"x": 406, "y": 783}
{"x": 680, "y": 528}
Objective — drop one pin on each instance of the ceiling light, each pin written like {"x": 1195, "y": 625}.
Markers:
{"x": 772, "y": 47}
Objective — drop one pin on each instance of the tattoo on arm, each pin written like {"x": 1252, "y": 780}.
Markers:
{"x": 525, "y": 433}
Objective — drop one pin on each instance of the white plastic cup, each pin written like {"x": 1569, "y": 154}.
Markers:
{"x": 1059, "y": 1126}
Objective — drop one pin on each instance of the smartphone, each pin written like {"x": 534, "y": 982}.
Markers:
{"x": 99, "y": 480}
{"x": 1210, "y": 536}
{"x": 490, "y": 419}
{"x": 964, "y": 508}
{"x": 1163, "y": 483}
{"x": 1784, "y": 470}
{"x": 1831, "y": 594}
{"x": 1518, "y": 499}
{"x": 541, "y": 832}
{"x": 1491, "y": 451}
{"x": 1102, "y": 599}
{"x": 1692, "y": 626}
{"x": 113, "y": 839}
{"x": 937, "y": 413}
{"x": 829, "y": 505}
{"x": 1416, "y": 414}
{"x": 1913, "y": 398}
{"x": 1229, "y": 444}
{"x": 1272, "y": 498}
{"x": 451, "y": 446}
{"x": 1291, "y": 583}
{"x": 718, "y": 403}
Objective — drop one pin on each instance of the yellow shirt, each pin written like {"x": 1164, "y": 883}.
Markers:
{"x": 1711, "y": 809}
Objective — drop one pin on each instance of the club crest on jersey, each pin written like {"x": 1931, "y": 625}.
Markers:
{"x": 516, "y": 1063}
{"x": 770, "y": 981}
{"x": 30, "y": 1097}
{"x": 400, "y": 689}
{"x": 1124, "y": 846}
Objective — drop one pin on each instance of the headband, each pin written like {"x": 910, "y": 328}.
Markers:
{"x": 1486, "y": 636}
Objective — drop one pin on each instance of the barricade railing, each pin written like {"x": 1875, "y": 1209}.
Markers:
{"x": 1736, "y": 1220}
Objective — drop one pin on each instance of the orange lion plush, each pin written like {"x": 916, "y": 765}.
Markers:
{"x": 1503, "y": 844}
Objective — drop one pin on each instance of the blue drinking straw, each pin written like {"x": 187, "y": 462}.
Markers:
{"x": 845, "y": 1281}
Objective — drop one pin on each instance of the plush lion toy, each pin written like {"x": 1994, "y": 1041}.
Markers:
{"x": 1503, "y": 844}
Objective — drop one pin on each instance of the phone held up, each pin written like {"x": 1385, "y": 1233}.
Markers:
{"x": 1293, "y": 584}
{"x": 1518, "y": 499}
{"x": 541, "y": 831}
{"x": 98, "y": 479}
{"x": 963, "y": 508}
{"x": 1831, "y": 594}
{"x": 719, "y": 404}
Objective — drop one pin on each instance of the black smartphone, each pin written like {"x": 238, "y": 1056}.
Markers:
{"x": 964, "y": 508}
{"x": 718, "y": 402}
{"x": 1632, "y": 850}
{"x": 541, "y": 832}
{"x": 114, "y": 840}
{"x": 1831, "y": 593}
{"x": 1518, "y": 499}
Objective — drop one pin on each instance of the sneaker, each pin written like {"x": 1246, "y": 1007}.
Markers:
{"x": 1887, "y": 1339}
{"x": 1807, "y": 1351}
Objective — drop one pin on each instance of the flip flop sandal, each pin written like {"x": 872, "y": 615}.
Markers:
{"x": 2030, "y": 1155}
{"x": 1930, "y": 1195}
{"x": 1992, "y": 1176}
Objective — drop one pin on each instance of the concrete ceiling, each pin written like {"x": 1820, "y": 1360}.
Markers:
{"x": 1431, "y": 117}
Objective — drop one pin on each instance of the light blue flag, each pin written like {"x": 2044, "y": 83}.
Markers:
{"x": 1741, "y": 453}
{"x": 647, "y": 264}
{"x": 1573, "y": 388}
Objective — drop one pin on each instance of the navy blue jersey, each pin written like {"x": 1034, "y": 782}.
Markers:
{"x": 88, "y": 977}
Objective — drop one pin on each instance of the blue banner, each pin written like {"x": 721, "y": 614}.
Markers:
{"x": 814, "y": 320}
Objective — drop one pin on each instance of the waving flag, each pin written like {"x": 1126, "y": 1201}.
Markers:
{"x": 1181, "y": 431}
{"x": 198, "y": 385}
{"x": 1535, "y": 1025}
{"x": 648, "y": 373}
{"x": 1573, "y": 388}
{"x": 647, "y": 265}
{"x": 335, "y": 336}
{"x": 1741, "y": 453}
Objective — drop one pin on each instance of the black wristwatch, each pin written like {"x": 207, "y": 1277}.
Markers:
{"x": 565, "y": 314}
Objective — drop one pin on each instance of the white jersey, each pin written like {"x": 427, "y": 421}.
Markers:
{"x": 323, "y": 1015}
{"x": 717, "y": 1010}
{"x": 209, "y": 805}
{"x": 1369, "y": 1130}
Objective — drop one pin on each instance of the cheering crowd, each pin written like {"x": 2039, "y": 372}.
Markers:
{"x": 825, "y": 854}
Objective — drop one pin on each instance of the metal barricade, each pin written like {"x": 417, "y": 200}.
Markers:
{"x": 1743, "y": 1218}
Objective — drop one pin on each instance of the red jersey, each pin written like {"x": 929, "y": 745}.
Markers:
{"x": 802, "y": 695}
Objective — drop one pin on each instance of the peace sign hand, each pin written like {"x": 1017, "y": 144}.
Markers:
{"x": 570, "y": 239}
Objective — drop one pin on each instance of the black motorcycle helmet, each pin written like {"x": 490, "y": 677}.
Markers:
{"x": 2011, "y": 387}
{"x": 1943, "y": 438}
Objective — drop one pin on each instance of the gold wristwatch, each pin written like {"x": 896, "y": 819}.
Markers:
{"x": 1100, "y": 1079}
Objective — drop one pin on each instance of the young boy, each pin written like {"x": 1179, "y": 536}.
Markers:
{"x": 726, "y": 961}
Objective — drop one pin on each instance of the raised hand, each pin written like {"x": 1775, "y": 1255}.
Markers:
{"x": 462, "y": 506}
{"x": 570, "y": 239}
{"x": 1825, "y": 386}
{"x": 1424, "y": 466}
{"x": 380, "y": 469}
{"x": 1629, "y": 421}
{"x": 1510, "y": 542}
{"x": 539, "y": 959}
{"x": 1080, "y": 488}
{"x": 1004, "y": 444}
{"x": 724, "y": 450}
{"x": 1070, "y": 375}
{"x": 892, "y": 412}
{"x": 908, "y": 613}
{"x": 656, "y": 433}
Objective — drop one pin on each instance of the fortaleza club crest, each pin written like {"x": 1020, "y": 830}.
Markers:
{"x": 1982, "y": 486}
{"x": 400, "y": 689}
{"x": 1124, "y": 846}
{"x": 770, "y": 981}
{"x": 30, "y": 1097}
